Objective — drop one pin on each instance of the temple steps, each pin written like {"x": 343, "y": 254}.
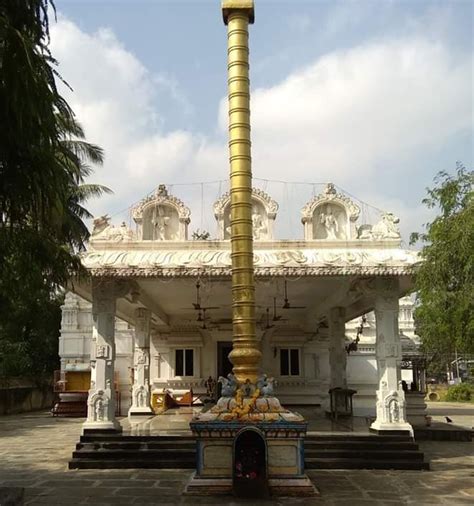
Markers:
{"x": 131, "y": 464}
{"x": 346, "y": 451}
{"x": 322, "y": 451}
{"x": 354, "y": 463}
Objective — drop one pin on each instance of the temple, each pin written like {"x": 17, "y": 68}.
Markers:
{"x": 258, "y": 321}
{"x": 170, "y": 299}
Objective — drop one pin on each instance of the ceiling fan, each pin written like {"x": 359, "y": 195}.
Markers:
{"x": 286, "y": 304}
{"x": 202, "y": 317}
{"x": 197, "y": 305}
{"x": 277, "y": 318}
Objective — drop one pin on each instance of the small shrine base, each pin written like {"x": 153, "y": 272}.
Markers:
{"x": 224, "y": 460}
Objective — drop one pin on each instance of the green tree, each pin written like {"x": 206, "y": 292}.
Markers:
{"x": 444, "y": 282}
{"x": 44, "y": 161}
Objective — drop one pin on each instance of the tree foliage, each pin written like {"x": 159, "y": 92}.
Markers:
{"x": 445, "y": 280}
{"x": 44, "y": 161}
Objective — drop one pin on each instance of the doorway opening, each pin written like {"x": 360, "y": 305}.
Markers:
{"x": 250, "y": 464}
{"x": 224, "y": 365}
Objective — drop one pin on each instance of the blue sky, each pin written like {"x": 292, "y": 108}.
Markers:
{"x": 373, "y": 95}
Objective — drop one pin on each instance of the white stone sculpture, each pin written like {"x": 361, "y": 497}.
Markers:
{"x": 330, "y": 215}
{"x": 161, "y": 223}
{"x": 264, "y": 210}
{"x": 330, "y": 224}
{"x": 162, "y": 217}
{"x": 104, "y": 231}
{"x": 141, "y": 397}
{"x": 259, "y": 226}
{"x": 386, "y": 228}
{"x": 394, "y": 411}
{"x": 99, "y": 410}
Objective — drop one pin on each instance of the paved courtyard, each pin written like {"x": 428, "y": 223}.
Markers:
{"x": 35, "y": 449}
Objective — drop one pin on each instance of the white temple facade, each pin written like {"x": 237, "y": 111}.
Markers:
{"x": 170, "y": 299}
{"x": 76, "y": 337}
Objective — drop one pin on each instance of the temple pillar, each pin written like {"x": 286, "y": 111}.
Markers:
{"x": 391, "y": 404}
{"x": 101, "y": 400}
{"x": 141, "y": 399}
{"x": 337, "y": 348}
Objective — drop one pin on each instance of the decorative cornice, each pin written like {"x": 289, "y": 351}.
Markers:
{"x": 268, "y": 263}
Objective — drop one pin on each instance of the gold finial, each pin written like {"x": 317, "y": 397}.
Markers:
{"x": 242, "y": 5}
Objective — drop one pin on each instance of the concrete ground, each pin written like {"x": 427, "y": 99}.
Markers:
{"x": 35, "y": 449}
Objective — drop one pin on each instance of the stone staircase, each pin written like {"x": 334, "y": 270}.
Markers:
{"x": 364, "y": 451}
{"x": 112, "y": 451}
{"x": 331, "y": 451}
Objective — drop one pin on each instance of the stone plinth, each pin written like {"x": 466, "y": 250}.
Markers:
{"x": 416, "y": 408}
{"x": 216, "y": 433}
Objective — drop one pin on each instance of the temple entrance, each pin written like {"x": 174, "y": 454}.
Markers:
{"x": 224, "y": 365}
{"x": 250, "y": 464}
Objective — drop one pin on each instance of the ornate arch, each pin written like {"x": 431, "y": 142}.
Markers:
{"x": 264, "y": 215}
{"x": 162, "y": 216}
{"x": 332, "y": 213}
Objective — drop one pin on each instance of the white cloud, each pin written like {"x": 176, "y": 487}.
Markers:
{"x": 350, "y": 110}
{"x": 340, "y": 118}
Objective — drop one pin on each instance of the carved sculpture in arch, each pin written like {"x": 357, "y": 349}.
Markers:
{"x": 391, "y": 406}
{"x": 330, "y": 216}
{"x": 264, "y": 211}
{"x": 141, "y": 396}
{"x": 162, "y": 217}
{"x": 98, "y": 406}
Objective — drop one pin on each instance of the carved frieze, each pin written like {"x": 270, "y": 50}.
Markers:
{"x": 268, "y": 262}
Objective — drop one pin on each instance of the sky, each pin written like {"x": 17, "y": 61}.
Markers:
{"x": 375, "y": 96}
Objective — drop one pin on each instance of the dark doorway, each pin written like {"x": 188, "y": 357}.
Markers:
{"x": 250, "y": 464}
{"x": 224, "y": 365}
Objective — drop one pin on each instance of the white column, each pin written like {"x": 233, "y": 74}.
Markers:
{"x": 101, "y": 400}
{"x": 337, "y": 349}
{"x": 141, "y": 395}
{"x": 391, "y": 406}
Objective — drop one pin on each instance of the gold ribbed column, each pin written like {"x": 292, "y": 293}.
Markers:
{"x": 245, "y": 354}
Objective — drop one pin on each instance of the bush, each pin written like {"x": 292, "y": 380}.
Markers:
{"x": 460, "y": 393}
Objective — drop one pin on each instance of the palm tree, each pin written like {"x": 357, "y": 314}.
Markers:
{"x": 76, "y": 155}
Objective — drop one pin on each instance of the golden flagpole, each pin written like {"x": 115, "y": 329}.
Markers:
{"x": 245, "y": 354}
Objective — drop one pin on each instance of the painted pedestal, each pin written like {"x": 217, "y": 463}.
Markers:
{"x": 217, "y": 435}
